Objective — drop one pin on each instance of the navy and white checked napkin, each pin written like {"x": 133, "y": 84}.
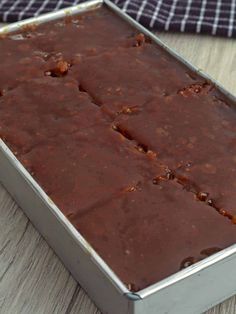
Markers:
{"x": 216, "y": 17}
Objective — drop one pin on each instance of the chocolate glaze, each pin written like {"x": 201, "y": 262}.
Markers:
{"x": 131, "y": 145}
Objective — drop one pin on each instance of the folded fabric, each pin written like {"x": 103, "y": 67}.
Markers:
{"x": 215, "y": 17}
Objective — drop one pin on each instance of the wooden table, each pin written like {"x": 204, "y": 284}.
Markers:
{"x": 32, "y": 279}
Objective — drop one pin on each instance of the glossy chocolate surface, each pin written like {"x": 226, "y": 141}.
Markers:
{"x": 135, "y": 149}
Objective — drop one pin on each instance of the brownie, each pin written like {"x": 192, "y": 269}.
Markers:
{"x": 136, "y": 150}
{"x": 124, "y": 79}
{"x": 18, "y": 64}
{"x": 193, "y": 134}
{"x": 36, "y": 49}
{"x": 83, "y": 169}
{"x": 38, "y": 110}
{"x": 153, "y": 231}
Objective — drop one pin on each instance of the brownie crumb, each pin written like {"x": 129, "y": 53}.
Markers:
{"x": 188, "y": 262}
{"x": 210, "y": 251}
{"x": 202, "y": 196}
{"x": 140, "y": 40}
{"x": 122, "y": 132}
{"x": 128, "y": 110}
{"x": 142, "y": 148}
{"x": 195, "y": 89}
{"x": 61, "y": 69}
{"x": 234, "y": 220}
{"x": 170, "y": 175}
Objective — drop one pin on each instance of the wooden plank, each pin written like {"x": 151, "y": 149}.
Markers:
{"x": 32, "y": 279}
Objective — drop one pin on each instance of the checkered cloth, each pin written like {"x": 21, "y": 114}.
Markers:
{"x": 216, "y": 17}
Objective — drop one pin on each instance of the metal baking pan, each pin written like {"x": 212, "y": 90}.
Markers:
{"x": 192, "y": 290}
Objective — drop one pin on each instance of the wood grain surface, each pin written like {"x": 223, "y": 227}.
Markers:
{"x": 32, "y": 279}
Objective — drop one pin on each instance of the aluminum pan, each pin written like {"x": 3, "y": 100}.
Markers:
{"x": 180, "y": 276}
{"x": 207, "y": 262}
